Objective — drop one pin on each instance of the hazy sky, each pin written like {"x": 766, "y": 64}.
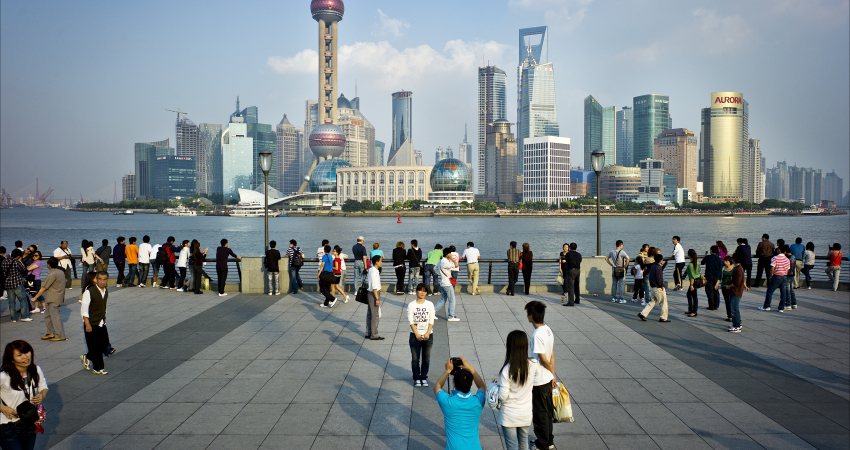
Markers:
{"x": 82, "y": 81}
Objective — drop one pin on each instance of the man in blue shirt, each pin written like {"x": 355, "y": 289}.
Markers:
{"x": 461, "y": 409}
{"x": 797, "y": 249}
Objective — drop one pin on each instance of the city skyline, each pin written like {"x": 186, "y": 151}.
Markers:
{"x": 67, "y": 75}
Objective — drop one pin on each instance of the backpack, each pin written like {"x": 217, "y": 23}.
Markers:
{"x": 162, "y": 255}
{"x": 297, "y": 259}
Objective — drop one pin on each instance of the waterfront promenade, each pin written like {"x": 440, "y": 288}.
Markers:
{"x": 257, "y": 371}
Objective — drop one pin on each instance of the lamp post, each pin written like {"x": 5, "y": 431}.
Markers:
{"x": 266, "y": 166}
{"x": 597, "y": 159}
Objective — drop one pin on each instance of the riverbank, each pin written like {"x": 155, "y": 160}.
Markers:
{"x": 530, "y": 214}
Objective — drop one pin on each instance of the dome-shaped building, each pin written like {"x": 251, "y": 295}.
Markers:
{"x": 327, "y": 10}
{"x": 451, "y": 181}
{"x": 323, "y": 178}
{"x": 327, "y": 141}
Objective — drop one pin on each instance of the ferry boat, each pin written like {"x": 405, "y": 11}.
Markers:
{"x": 251, "y": 210}
{"x": 127, "y": 212}
{"x": 180, "y": 211}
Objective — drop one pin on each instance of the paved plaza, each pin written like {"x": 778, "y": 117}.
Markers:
{"x": 255, "y": 371}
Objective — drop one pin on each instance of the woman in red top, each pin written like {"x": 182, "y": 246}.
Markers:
{"x": 833, "y": 266}
{"x": 526, "y": 259}
{"x": 337, "y": 271}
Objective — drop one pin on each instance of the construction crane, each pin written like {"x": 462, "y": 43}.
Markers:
{"x": 176, "y": 111}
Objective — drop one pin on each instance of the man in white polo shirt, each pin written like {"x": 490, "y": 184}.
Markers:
{"x": 471, "y": 256}
{"x": 64, "y": 256}
{"x": 373, "y": 312}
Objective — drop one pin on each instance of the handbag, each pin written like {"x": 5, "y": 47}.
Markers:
{"x": 362, "y": 295}
{"x": 699, "y": 282}
{"x": 493, "y": 395}
{"x": 619, "y": 272}
{"x": 561, "y": 401}
{"x": 559, "y": 279}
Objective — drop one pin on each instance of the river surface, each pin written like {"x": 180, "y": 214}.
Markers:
{"x": 491, "y": 235}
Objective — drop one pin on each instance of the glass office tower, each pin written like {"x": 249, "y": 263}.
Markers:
{"x": 651, "y": 117}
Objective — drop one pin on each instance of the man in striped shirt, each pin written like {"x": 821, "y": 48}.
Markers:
{"x": 779, "y": 267}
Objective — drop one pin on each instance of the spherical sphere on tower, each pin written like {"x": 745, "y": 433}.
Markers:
{"x": 451, "y": 175}
{"x": 324, "y": 175}
{"x": 327, "y": 141}
{"x": 327, "y": 10}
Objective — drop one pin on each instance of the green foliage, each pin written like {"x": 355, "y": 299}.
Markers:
{"x": 484, "y": 206}
{"x": 366, "y": 205}
{"x": 130, "y": 204}
{"x": 772, "y": 203}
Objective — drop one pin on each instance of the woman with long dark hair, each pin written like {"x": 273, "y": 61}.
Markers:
{"x": 526, "y": 258}
{"x": 693, "y": 274}
{"x": 20, "y": 381}
{"x": 516, "y": 381}
{"x": 198, "y": 259}
{"x": 399, "y": 256}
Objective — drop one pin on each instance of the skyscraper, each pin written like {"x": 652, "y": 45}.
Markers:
{"x": 187, "y": 136}
{"x": 625, "y": 137}
{"x": 264, "y": 140}
{"x": 359, "y": 132}
{"x": 289, "y": 156}
{"x": 754, "y": 176}
{"x": 609, "y": 134}
{"x": 536, "y": 115}
{"x": 651, "y": 115}
{"x": 128, "y": 187}
{"x": 209, "y": 159}
{"x": 724, "y": 146}
{"x": 145, "y": 155}
{"x": 174, "y": 176}
{"x": 500, "y": 164}
{"x": 547, "y": 169}
{"x": 832, "y": 188}
{"x": 311, "y": 119}
{"x": 805, "y": 185}
{"x": 777, "y": 182}
{"x": 443, "y": 153}
{"x": 592, "y": 128}
{"x": 237, "y": 168}
{"x": 677, "y": 149}
{"x": 377, "y": 158}
{"x": 402, "y": 124}
{"x": 464, "y": 149}
{"x": 492, "y": 106}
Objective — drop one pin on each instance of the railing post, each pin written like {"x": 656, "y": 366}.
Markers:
{"x": 490, "y": 272}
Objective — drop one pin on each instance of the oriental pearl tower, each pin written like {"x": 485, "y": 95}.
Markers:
{"x": 327, "y": 140}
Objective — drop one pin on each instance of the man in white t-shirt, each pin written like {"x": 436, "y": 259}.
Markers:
{"x": 679, "y": 259}
{"x": 64, "y": 256}
{"x": 471, "y": 256}
{"x": 542, "y": 350}
{"x": 420, "y": 316}
{"x": 447, "y": 291}
{"x": 154, "y": 264}
{"x": 373, "y": 313}
{"x": 144, "y": 260}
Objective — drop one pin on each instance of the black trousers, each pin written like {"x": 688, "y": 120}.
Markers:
{"x": 168, "y": 278}
{"x": 513, "y": 274}
{"x": 182, "y": 283}
{"x": 526, "y": 278}
{"x": 543, "y": 414}
{"x": 763, "y": 265}
{"x": 677, "y": 274}
{"x": 97, "y": 342}
{"x": 748, "y": 269}
{"x": 712, "y": 295}
{"x": 693, "y": 300}
{"x": 197, "y": 273}
{"x": 325, "y": 281}
{"x": 119, "y": 266}
{"x": 638, "y": 289}
{"x": 221, "y": 273}
{"x": 572, "y": 286}
{"x": 399, "y": 278}
{"x": 727, "y": 299}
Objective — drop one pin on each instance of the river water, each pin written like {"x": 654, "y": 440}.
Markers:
{"x": 491, "y": 235}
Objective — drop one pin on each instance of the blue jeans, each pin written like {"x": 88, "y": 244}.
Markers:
{"x": 132, "y": 271}
{"x": 447, "y": 296}
{"x": 774, "y": 283}
{"x": 295, "y": 280}
{"x": 429, "y": 276}
{"x": 420, "y": 356}
{"x": 359, "y": 267}
{"x": 19, "y": 304}
{"x": 736, "y": 311}
{"x": 516, "y": 438}
{"x": 790, "y": 298}
{"x": 618, "y": 287}
{"x": 14, "y": 437}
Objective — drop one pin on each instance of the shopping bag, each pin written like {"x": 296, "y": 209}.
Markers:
{"x": 559, "y": 279}
{"x": 561, "y": 400}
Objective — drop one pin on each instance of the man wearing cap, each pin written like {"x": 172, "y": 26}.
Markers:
{"x": 360, "y": 258}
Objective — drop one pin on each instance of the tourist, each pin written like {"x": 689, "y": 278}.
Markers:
{"x": 198, "y": 259}
{"x": 119, "y": 257}
{"x": 20, "y": 381}
{"x": 833, "y": 265}
{"x": 455, "y": 259}
{"x": 563, "y": 271}
{"x": 679, "y": 259}
{"x": 320, "y": 252}
{"x": 93, "y": 310}
{"x": 764, "y": 252}
{"x": 131, "y": 252}
{"x": 618, "y": 260}
{"x": 414, "y": 259}
{"x": 808, "y": 263}
{"x": 373, "y": 312}
{"x": 53, "y": 290}
{"x": 516, "y": 382}
{"x": 376, "y": 250}
{"x": 722, "y": 251}
{"x": 87, "y": 256}
{"x": 777, "y": 270}
{"x": 145, "y": 260}
{"x": 325, "y": 275}
{"x": 726, "y": 280}
{"x": 638, "y": 269}
{"x": 431, "y": 271}
{"x": 339, "y": 273}
{"x": 573, "y": 272}
{"x": 658, "y": 291}
{"x": 788, "y": 286}
{"x": 471, "y": 255}
{"x": 713, "y": 271}
{"x": 33, "y": 283}
{"x": 104, "y": 254}
{"x": 420, "y": 317}
{"x": 15, "y": 272}
{"x": 361, "y": 262}
{"x": 526, "y": 261}
{"x": 447, "y": 291}
{"x": 694, "y": 281}
{"x": 64, "y": 256}
{"x": 399, "y": 255}
{"x": 736, "y": 290}
{"x": 542, "y": 350}
{"x": 167, "y": 260}
{"x": 343, "y": 269}
{"x": 273, "y": 268}
{"x": 182, "y": 265}
{"x": 222, "y": 254}
{"x": 296, "y": 260}
{"x": 155, "y": 264}
{"x": 744, "y": 255}
{"x": 461, "y": 409}
{"x": 2, "y": 274}
{"x": 797, "y": 249}
{"x": 513, "y": 255}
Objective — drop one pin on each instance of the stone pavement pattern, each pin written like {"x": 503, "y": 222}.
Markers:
{"x": 280, "y": 372}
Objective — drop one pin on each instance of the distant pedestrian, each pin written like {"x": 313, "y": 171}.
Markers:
{"x": 420, "y": 317}
{"x": 361, "y": 262}
{"x": 414, "y": 260}
{"x": 808, "y": 263}
{"x": 516, "y": 383}
{"x": 93, "y": 310}
{"x": 797, "y": 249}
{"x": 618, "y": 259}
{"x": 132, "y": 256}
{"x": 637, "y": 271}
{"x": 168, "y": 259}
{"x": 777, "y": 270}
{"x": 563, "y": 271}
{"x": 199, "y": 257}
{"x": 692, "y": 272}
{"x": 788, "y": 287}
{"x": 513, "y": 255}
{"x": 155, "y": 264}
{"x": 104, "y": 253}
{"x": 321, "y": 250}
{"x": 144, "y": 260}
{"x": 296, "y": 260}
{"x": 339, "y": 274}
{"x": 471, "y": 255}
{"x": 273, "y": 268}
{"x": 119, "y": 258}
{"x": 2, "y": 274}
{"x": 833, "y": 265}
{"x": 447, "y": 291}
{"x": 64, "y": 256}
{"x": 725, "y": 281}
{"x": 722, "y": 251}
{"x": 19, "y": 305}
{"x": 376, "y": 250}
{"x": 325, "y": 277}
{"x": 431, "y": 270}
{"x": 399, "y": 256}
{"x": 20, "y": 381}
{"x": 542, "y": 350}
{"x": 373, "y": 312}
{"x": 33, "y": 282}
{"x": 736, "y": 288}
{"x": 658, "y": 291}
{"x": 744, "y": 255}
{"x": 182, "y": 265}
{"x": 679, "y": 259}
{"x": 526, "y": 260}
{"x": 53, "y": 290}
{"x": 87, "y": 256}
{"x": 713, "y": 271}
{"x": 343, "y": 270}
{"x": 222, "y": 254}
{"x": 573, "y": 275}
{"x": 764, "y": 252}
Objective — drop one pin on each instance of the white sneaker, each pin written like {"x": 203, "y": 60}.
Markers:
{"x": 222, "y": 295}
{"x": 277, "y": 293}
{"x": 622, "y": 301}
{"x": 642, "y": 303}
{"x": 26, "y": 319}
{"x": 763, "y": 309}
{"x": 333, "y": 303}
{"x": 417, "y": 383}
{"x": 141, "y": 285}
{"x": 271, "y": 293}
{"x": 613, "y": 299}
{"x": 100, "y": 372}
{"x": 424, "y": 383}
{"x": 37, "y": 310}
{"x": 86, "y": 362}
{"x": 453, "y": 319}
{"x": 153, "y": 285}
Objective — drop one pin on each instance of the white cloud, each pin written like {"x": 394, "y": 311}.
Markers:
{"x": 566, "y": 14}
{"x": 305, "y": 61}
{"x": 824, "y": 12}
{"x": 391, "y": 26}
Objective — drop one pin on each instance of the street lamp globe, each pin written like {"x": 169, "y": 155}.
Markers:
{"x": 265, "y": 162}
{"x": 597, "y": 159}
